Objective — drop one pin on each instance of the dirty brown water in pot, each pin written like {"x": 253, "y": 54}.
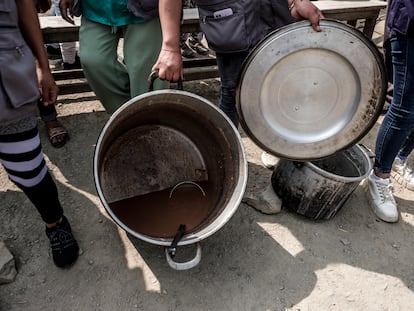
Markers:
{"x": 157, "y": 215}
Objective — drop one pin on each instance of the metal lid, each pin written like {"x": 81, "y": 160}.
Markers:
{"x": 305, "y": 95}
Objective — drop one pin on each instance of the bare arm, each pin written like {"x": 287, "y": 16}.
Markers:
{"x": 30, "y": 28}
{"x": 304, "y": 9}
{"x": 169, "y": 63}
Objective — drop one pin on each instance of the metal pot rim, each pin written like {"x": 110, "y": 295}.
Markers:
{"x": 176, "y": 96}
{"x": 304, "y": 125}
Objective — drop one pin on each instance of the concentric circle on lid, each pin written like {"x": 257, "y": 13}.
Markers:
{"x": 305, "y": 95}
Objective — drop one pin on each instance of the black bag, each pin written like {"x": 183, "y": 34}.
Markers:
{"x": 77, "y": 8}
{"x": 238, "y": 25}
{"x": 144, "y": 9}
{"x": 225, "y": 24}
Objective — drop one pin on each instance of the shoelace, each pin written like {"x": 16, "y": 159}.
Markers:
{"x": 385, "y": 192}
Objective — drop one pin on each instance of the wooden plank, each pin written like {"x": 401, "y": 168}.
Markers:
{"x": 64, "y": 78}
{"x": 55, "y": 29}
{"x": 74, "y": 88}
{"x": 74, "y": 74}
{"x": 68, "y": 74}
{"x": 200, "y": 73}
{"x": 199, "y": 62}
{"x": 351, "y": 11}
{"x": 349, "y": 6}
{"x": 190, "y": 22}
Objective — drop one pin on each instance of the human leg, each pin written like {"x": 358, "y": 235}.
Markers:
{"x": 147, "y": 39}
{"x": 379, "y": 191}
{"x": 230, "y": 65}
{"x": 194, "y": 42}
{"x": 56, "y": 132}
{"x": 22, "y": 157}
{"x": 388, "y": 66}
{"x": 68, "y": 49}
{"x": 396, "y": 126}
{"x": 407, "y": 147}
{"x": 401, "y": 171}
{"x": 195, "y": 38}
{"x": 229, "y": 69}
{"x": 53, "y": 49}
{"x": 107, "y": 76}
{"x": 47, "y": 113}
{"x": 186, "y": 51}
{"x": 399, "y": 120}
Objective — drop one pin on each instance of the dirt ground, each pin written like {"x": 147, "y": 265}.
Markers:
{"x": 254, "y": 262}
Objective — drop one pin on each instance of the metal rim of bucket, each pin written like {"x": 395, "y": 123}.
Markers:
{"x": 344, "y": 178}
{"x": 221, "y": 219}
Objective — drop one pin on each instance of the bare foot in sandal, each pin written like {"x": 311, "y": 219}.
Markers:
{"x": 56, "y": 132}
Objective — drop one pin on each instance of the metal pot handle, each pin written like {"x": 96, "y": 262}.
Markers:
{"x": 154, "y": 75}
{"x": 184, "y": 265}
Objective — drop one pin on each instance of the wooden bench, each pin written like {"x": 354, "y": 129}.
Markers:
{"x": 352, "y": 11}
{"x": 347, "y": 11}
{"x": 73, "y": 81}
{"x": 55, "y": 30}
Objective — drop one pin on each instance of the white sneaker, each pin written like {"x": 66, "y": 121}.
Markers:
{"x": 382, "y": 199}
{"x": 402, "y": 173}
{"x": 268, "y": 160}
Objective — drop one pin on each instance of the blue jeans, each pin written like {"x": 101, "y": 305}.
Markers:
{"x": 394, "y": 135}
{"x": 229, "y": 66}
{"x": 408, "y": 146}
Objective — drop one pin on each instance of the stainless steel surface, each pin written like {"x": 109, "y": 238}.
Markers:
{"x": 162, "y": 138}
{"x": 305, "y": 95}
{"x": 187, "y": 184}
{"x": 318, "y": 189}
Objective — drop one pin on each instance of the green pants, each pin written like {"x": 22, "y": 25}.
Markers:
{"x": 115, "y": 81}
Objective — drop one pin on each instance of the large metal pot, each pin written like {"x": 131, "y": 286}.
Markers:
{"x": 305, "y": 95}
{"x": 308, "y": 97}
{"x": 163, "y": 145}
{"x": 318, "y": 189}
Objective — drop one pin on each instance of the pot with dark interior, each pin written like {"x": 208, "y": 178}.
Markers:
{"x": 170, "y": 169}
{"x": 318, "y": 189}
